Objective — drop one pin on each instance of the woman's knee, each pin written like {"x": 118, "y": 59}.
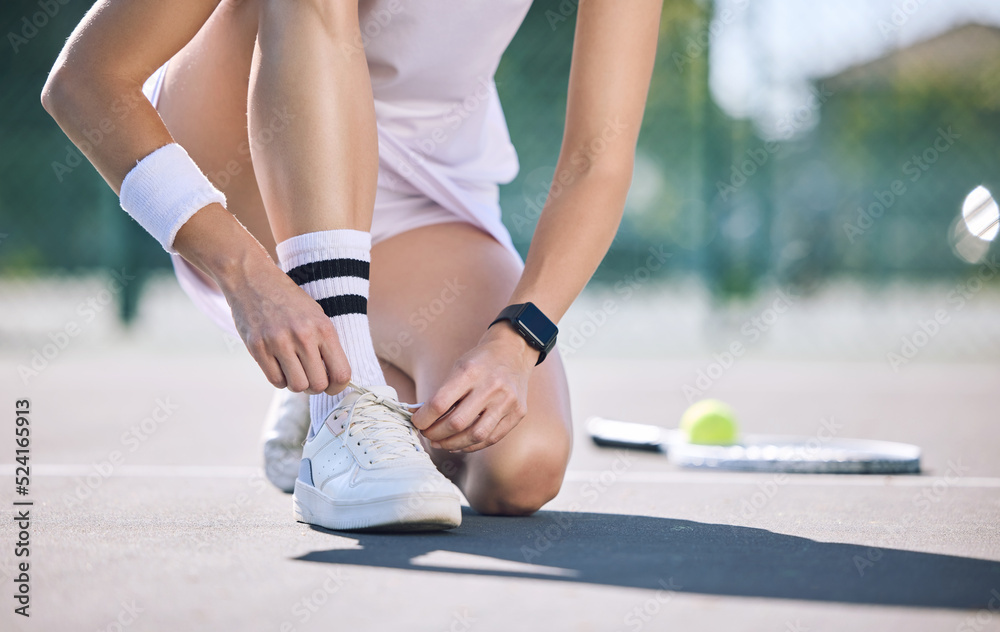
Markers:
{"x": 519, "y": 484}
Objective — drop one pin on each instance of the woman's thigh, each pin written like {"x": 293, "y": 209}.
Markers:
{"x": 203, "y": 101}
{"x": 434, "y": 291}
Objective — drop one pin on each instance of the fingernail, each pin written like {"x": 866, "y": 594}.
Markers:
{"x": 435, "y": 445}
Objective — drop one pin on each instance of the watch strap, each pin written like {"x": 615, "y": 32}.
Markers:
{"x": 511, "y": 314}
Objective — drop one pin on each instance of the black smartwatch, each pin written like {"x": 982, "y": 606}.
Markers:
{"x": 532, "y": 324}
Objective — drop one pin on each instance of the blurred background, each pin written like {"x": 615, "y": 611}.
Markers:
{"x": 798, "y": 186}
{"x": 793, "y": 244}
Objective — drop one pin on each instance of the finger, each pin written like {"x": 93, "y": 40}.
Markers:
{"x": 295, "y": 375}
{"x": 338, "y": 369}
{"x": 315, "y": 369}
{"x": 272, "y": 370}
{"x": 454, "y": 388}
{"x": 463, "y": 416}
{"x": 478, "y": 433}
{"x": 517, "y": 411}
{"x": 503, "y": 427}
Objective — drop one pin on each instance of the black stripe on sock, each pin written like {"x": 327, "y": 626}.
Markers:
{"x": 344, "y": 304}
{"x": 329, "y": 268}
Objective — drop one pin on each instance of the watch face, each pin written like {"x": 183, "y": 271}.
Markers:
{"x": 537, "y": 325}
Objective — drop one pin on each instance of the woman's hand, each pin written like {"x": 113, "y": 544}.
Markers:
{"x": 287, "y": 333}
{"x": 284, "y": 329}
{"x": 484, "y": 397}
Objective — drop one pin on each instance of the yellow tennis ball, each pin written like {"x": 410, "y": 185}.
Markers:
{"x": 710, "y": 422}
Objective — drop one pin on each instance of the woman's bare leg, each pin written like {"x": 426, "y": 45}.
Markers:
{"x": 310, "y": 134}
{"x": 425, "y": 316}
{"x": 203, "y": 102}
{"x": 320, "y": 172}
{"x": 311, "y": 131}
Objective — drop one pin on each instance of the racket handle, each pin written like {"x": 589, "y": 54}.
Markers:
{"x": 609, "y": 433}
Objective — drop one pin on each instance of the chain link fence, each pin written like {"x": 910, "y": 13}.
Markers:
{"x": 863, "y": 178}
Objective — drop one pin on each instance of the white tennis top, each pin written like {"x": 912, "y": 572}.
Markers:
{"x": 441, "y": 129}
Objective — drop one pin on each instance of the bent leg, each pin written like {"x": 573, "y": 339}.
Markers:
{"x": 203, "y": 102}
{"x": 421, "y": 323}
{"x": 310, "y": 132}
{"x": 434, "y": 290}
{"x": 319, "y": 173}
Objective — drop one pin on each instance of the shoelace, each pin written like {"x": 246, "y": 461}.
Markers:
{"x": 384, "y": 436}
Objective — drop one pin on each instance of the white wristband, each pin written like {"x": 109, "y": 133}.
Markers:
{"x": 164, "y": 190}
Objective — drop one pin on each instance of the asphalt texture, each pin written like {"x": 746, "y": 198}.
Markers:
{"x": 150, "y": 511}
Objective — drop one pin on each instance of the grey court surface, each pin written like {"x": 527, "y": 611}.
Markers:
{"x": 168, "y": 525}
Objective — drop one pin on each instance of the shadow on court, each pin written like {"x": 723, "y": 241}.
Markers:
{"x": 680, "y": 555}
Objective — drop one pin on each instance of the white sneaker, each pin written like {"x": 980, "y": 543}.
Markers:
{"x": 286, "y": 427}
{"x": 366, "y": 469}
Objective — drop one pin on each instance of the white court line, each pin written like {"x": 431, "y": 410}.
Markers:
{"x": 572, "y": 476}
{"x": 753, "y": 478}
{"x": 140, "y": 471}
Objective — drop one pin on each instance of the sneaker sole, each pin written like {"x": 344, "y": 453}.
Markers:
{"x": 435, "y": 512}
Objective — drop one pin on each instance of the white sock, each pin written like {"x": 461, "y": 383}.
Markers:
{"x": 332, "y": 267}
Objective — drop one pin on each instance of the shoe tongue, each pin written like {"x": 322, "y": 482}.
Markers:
{"x": 384, "y": 391}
